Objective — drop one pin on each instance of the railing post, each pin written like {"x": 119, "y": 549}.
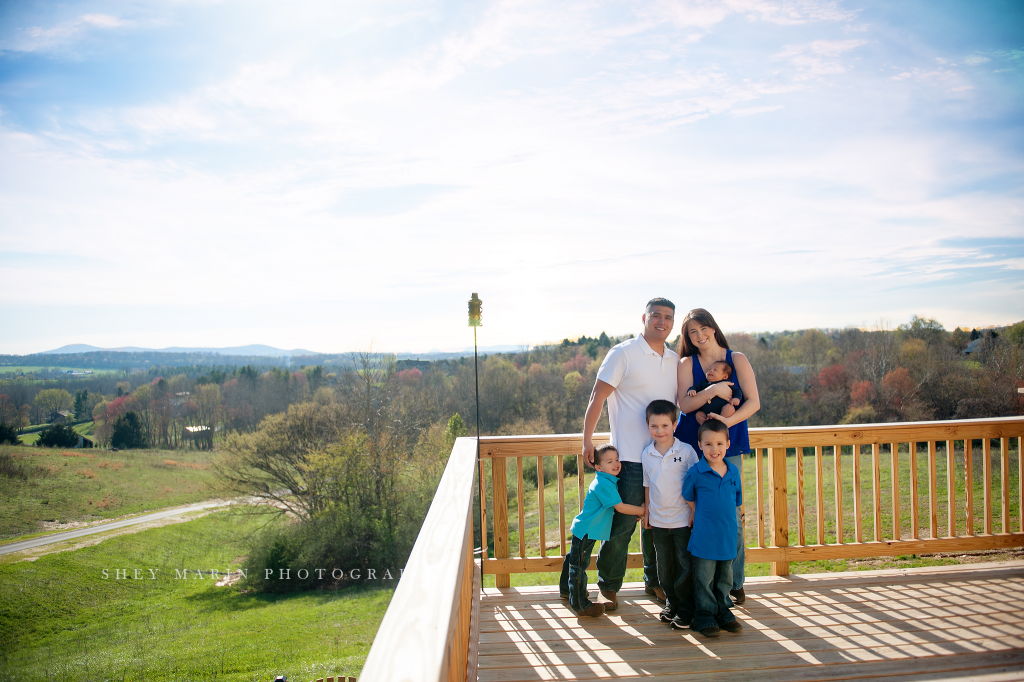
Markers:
{"x": 779, "y": 505}
{"x": 499, "y": 498}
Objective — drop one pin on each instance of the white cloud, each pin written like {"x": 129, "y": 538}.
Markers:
{"x": 40, "y": 39}
{"x": 816, "y": 58}
{"x": 976, "y": 59}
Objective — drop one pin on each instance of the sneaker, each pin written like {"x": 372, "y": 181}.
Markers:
{"x": 681, "y": 622}
{"x": 613, "y": 600}
{"x": 733, "y": 626}
{"x": 593, "y": 610}
{"x": 667, "y": 615}
{"x": 711, "y": 631}
{"x": 738, "y": 597}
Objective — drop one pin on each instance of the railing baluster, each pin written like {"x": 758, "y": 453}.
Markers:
{"x": 837, "y": 454}
{"x": 894, "y": 451}
{"x": 876, "y": 466}
{"x": 800, "y": 494}
{"x": 561, "y": 506}
{"x": 760, "y": 501}
{"x": 986, "y": 447}
{"x": 969, "y": 484}
{"x": 951, "y": 488}
{"x": 499, "y": 497}
{"x": 819, "y": 495}
{"x": 915, "y": 523}
{"x": 1004, "y": 457}
{"x": 778, "y": 500}
{"x": 933, "y": 492}
{"x": 522, "y": 511}
{"x": 540, "y": 507}
{"x": 483, "y": 513}
{"x": 857, "y": 525}
{"x": 1020, "y": 482}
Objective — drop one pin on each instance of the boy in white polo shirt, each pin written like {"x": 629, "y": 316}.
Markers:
{"x": 665, "y": 462}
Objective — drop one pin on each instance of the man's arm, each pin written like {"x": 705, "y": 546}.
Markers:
{"x": 597, "y": 397}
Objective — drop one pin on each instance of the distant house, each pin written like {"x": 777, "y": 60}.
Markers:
{"x": 199, "y": 436}
{"x": 64, "y": 417}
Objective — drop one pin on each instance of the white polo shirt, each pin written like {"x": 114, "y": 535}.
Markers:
{"x": 639, "y": 376}
{"x": 663, "y": 476}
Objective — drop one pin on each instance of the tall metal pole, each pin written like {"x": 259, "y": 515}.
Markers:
{"x": 476, "y": 376}
{"x": 475, "y": 315}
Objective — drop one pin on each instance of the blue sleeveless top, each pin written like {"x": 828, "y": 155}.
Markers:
{"x": 686, "y": 431}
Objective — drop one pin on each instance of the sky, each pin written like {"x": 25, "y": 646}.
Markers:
{"x": 335, "y": 175}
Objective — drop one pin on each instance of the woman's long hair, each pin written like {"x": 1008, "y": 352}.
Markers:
{"x": 703, "y": 317}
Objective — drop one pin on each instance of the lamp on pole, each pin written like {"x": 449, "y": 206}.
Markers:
{"x": 475, "y": 314}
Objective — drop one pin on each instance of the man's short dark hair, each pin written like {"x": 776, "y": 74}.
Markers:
{"x": 712, "y": 425}
{"x": 662, "y": 302}
{"x": 602, "y": 450}
{"x": 662, "y": 407}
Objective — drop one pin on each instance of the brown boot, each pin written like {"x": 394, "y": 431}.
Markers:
{"x": 594, "y": 610}
{"x": 613, "y": 600}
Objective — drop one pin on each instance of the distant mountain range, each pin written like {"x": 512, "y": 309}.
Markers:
{"x": 257, "y": 350}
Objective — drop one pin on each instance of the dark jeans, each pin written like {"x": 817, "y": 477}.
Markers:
{"x": 711, "y": 583}
{"x": 674, "y": 569}
{"x": 741, "y": 555}
{"x": 611, "y": 558}
{"x": 574, "y": 573}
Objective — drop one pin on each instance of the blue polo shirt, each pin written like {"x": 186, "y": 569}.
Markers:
{"x": 595, "y": 519}
{"x": 714, "y": 525}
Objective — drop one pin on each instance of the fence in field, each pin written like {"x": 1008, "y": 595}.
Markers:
{"x": 871, "y": 490}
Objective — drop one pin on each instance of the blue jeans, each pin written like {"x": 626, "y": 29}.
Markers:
{"x": 611, "y": 558}
{"x": 574, "y": 573}
{"x": 741, "y": 555}
{"x": 674, "y": 569}
{"x": 712, "y": 581}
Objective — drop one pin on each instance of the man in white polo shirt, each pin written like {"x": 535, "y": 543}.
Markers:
{"x": 633, "y": 374}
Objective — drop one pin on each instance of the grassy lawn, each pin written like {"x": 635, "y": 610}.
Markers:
{"x": 531, "y": 525}
{"x": 60, "y": 619}
{"x": 67, "y": 486}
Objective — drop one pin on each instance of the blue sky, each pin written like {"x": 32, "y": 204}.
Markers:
{"x": 331, "y": 175}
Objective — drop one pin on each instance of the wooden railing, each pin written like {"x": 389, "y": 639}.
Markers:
{"x": 428, "y": 631}
{"x": 848, "y": 459}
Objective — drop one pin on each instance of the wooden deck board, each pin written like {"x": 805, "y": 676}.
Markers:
{"x": 951, "y": 622}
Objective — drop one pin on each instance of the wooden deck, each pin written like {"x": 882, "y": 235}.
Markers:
{"x": 951, "y": 623}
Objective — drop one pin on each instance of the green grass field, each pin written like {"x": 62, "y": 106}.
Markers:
{"x": 89, "y": 485}
{"x": 531, "y": 525}
{"x": 60, "y": 619}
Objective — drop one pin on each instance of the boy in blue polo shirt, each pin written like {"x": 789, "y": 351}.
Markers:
{"x": 712, "y": 489}
{"x": 594, "y": 522}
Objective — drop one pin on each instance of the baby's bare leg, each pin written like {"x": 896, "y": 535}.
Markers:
{"x": 701, "y": 417}
{"x": 728, "y": 410}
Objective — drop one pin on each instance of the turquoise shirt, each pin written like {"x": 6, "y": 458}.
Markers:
{"x": 595, "y": 519}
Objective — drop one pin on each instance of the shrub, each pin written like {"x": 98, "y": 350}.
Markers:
{"x": 58, "y": 436}
{"x": 8, "y": 434}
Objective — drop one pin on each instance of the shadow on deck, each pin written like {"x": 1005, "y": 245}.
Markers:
{"x": 952, "y": 623}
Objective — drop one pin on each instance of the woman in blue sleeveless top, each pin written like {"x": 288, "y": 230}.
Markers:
{"x": 702, "y": 344}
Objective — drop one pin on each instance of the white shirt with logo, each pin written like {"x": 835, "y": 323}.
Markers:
{"x": 639, "y": 376}
{"x": 663, "y": 475}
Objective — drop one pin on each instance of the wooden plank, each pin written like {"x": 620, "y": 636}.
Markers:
{"x": 933, "y": 492}
{"x": 858, "y": 530}
{"x": 540, "y": 507}
{"x": 1020, "y": 482}
{"x": 561, "y": 507}
{"x": 759, "y": 481}
{"x": 986, "y": 447}
{"x": 778, "y": 502}
{"x": 483, "y": 511}
{"x": 819, "y": 495}
{"x": 499, "y": 497}
{"x": 520, "y": 507}
{"x": 801, "y": 538}
{"x": 795, "y": 553}
{"x": 969, "y": 484}
{"x": 876, "y": 488}
{"x": 473, "y": 657}
{"x": 788, "y": 436}
{"x": 837, "y": 456}
{"x": 894, "y": 451}
{"x": 915, "y": 530}
{"x": 951, "y": 489}
{"x": 1004, "y": 459}
{"x": 415, "y": 639}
